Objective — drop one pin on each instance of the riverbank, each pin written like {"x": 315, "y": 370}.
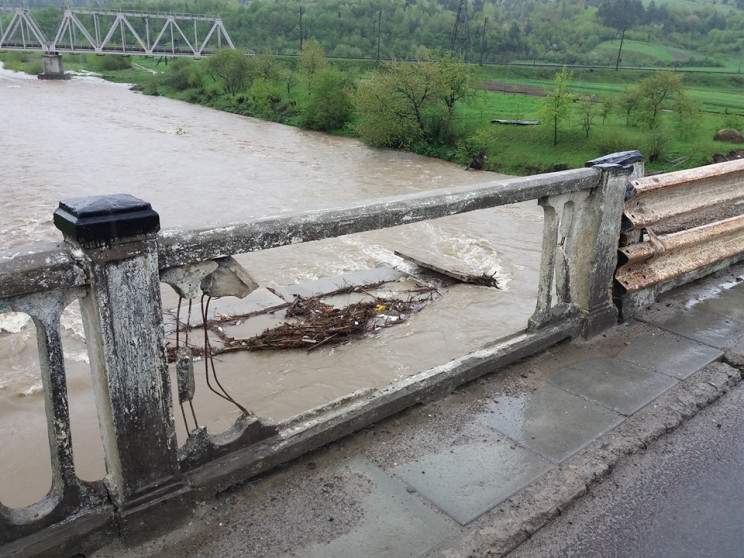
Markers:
{"x": 593, "y": 130}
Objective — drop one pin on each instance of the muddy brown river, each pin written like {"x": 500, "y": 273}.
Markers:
{"x": 200, "y": 168}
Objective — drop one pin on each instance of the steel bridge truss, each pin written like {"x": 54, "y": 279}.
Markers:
{"x": 22, "y": 32}
{"x": 118, "y": 32}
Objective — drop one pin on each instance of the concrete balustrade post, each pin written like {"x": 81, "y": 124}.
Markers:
{"x": 579, "y": 253}
{"x": 597, "y": 242}
{"x": 113, "y": 238}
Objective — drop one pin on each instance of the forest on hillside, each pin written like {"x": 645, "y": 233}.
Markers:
{"x": 704, "y": 33}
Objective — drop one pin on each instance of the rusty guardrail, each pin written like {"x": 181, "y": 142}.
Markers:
{"x": 678, "y": 227}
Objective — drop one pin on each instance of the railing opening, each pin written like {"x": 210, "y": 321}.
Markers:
{"x": 278, "y": 384}
{"x": 24, "y": 443}
{"x": 86, "y": 436}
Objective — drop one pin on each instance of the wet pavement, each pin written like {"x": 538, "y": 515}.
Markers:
{"x": 477, "y": 472}
{"x": 679, "y": 498}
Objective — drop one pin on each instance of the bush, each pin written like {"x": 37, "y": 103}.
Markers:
{"x": 612, "y": 140}
{"x": 113, "y": 62}
{"x": 150, "y": 86}
{"x": 18, "y": 61}
{"x": 733, "y": 121}
{"x": 656, "y": 144}
{"x": 265, "y": 97}
{"x": 473, "y": 150}
{"x": 183, "y": 74}
{"x": 328, "y": 104}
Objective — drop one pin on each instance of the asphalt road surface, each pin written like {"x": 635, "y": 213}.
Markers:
{"x": 681, "y": 497}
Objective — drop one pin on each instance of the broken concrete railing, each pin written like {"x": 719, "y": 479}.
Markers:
{"x": 114, "y": 260}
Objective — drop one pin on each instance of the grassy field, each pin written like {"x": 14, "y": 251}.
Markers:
{"x": 720, "y": 97}
{"x": 717, "y": 91}
{"x": 638, "y": 53}
{"x": 691, "y": 5}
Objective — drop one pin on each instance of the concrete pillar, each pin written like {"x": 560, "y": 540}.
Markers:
{"x": 53, "y": 68}
{"x": 602, "y": 220}
{"x": 113, "y": 237}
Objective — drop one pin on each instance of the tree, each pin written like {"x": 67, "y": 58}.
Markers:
{"x": 452, "y": 74}
{"x": 312, "y": 59}
{"x": 688, "y": 113}
{"x": 620, "y": 15}
{"x": 232, "y": 67}
{"x": 557, "y": 104}
{"x": 402, "y": 103}
{"x": 606, "y": 105}
{"x": 588, "y": 110}
{"x": 628, "y": 101}
{"x": 655, "y": 90}
{"x": 268, "y": 66}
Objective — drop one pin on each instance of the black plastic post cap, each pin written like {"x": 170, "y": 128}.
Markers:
{"x": 622, "y": 158}
{"x": 105, "y": 218}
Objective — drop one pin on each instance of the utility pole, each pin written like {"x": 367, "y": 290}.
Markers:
{"x": 379, "y": 24}
{"x": 620, "y": 50}
{"x": 483, "y": 41}
{"x": 301, "y": 32}
{"x": 461, "y": 31}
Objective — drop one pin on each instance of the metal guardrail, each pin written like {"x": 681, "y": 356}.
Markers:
{"x": 113, "y": 262}
{"x": 677, "y": 227}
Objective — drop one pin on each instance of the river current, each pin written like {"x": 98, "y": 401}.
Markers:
{"x": 200, "y": 168}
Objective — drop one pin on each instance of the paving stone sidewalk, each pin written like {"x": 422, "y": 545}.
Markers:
{"x": 474, "y": 474}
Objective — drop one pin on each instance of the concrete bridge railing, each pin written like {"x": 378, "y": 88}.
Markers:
{"x": 113, "y": 261}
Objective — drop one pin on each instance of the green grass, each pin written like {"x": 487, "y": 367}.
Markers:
{"x": 639, "y": 53}
{"x": 693, "y": 5}
{"x": 522, "y": 150}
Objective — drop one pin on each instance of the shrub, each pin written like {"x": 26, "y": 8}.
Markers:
{"x": 113, "y": 62}
{"x": 265, "y": 97}
{"x": 473, "y": 150}
{"x": 656, "y": 144}
{"x": 328, "y": 104}
{"x": 613, "y": 140}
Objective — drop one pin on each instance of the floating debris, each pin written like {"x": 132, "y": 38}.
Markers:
{"x": 311, "y": 323}
{"x": 315, "y": 323}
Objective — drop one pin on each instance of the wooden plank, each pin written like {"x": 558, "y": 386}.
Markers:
{"x": 483, "y": 280}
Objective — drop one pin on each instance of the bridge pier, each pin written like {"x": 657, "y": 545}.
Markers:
{"x": 53, "y": 68}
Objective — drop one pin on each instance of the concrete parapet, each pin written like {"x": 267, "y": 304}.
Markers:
{"x": 115, "y": 259}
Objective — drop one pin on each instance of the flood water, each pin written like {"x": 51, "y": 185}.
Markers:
{"x": 200, "y": 168}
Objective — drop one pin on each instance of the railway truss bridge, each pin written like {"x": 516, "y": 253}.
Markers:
{"x": 115, "y": 32}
